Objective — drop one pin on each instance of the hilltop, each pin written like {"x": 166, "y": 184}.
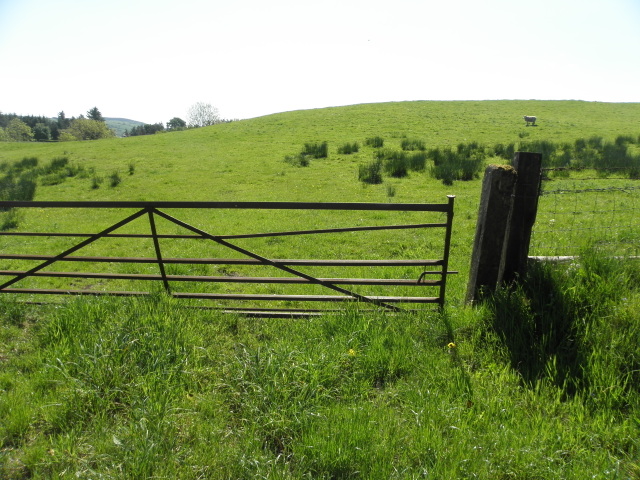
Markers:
{"x": 235, "y": 160}
{"x": 120, "y": 125}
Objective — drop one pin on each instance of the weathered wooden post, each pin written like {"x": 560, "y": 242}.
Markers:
{"x": 492, "y": 230}
{"x": 525, "y": 207}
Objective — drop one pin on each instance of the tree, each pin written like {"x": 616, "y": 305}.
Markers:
{"x": 86, "y": 129}
{"x": 18, "y": 131}
{"x": 176, "y": 123}
{"x": 41, "y": 132}
{"x": 202, "y": 115}
{"x": 63, "y": 122}
{"x": 145, "y": 129}
{"x": 94, "y": 114}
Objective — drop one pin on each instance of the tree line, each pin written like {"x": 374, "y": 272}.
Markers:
{"x": 200, "y": 115}
{"x": 27, "y": 128}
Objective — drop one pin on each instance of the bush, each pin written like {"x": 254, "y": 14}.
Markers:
{"x": 349, "y": 148}
{"x": 417, "y": 161}
{"x": 544, "y": 147}
{"x": 316, "y": 150}
{"x": 391, "y": 190}
{"x": 299, "y": 160}
{"x": 503, "y": 151}
{"x": 375, "y": 142}
{"x": 53, "y": 178}
{"x": 396, "y": 164}
{"x": 114, "y": 179}
{"x": 371, "y": 172}
{"x": 449, "y": 165}
{"x": 409, "y": 144}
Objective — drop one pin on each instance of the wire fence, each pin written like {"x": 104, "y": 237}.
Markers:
{"x": 580, "y": 208}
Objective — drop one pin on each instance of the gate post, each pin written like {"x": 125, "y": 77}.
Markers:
{"x": 525, "y": 207}
{"x": 492, "y": 230}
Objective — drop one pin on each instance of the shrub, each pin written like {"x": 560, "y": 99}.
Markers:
{"x": 375, "y": 142}
{"x": 53, "y": 178}
{"x": 464, "y": 164}
{"x": 114, "y": 179}
{"x": 391, "y": 190}
{"x": 396, "y": 164}
{"x": 349, "y": 148}
{"x": 96, "y": 181}
{"x": 417, "y": 161}
{"x": 544, "y": 147}
{"x": 299, "y": 160}
{"x": 412, "y": 144}
{"x": 445, "y": 171}
{"x": 470, "y": 166}
{"x": 371, "y": 172}
{"x": 503, "y": 151}
{"x": 58, "y": 163}
{"x": 316, "y": 150}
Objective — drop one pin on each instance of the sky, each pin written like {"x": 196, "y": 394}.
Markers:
{"x": 150, "y": 60}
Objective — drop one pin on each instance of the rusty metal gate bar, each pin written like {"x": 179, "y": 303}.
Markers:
{"x": 152, "y": 209}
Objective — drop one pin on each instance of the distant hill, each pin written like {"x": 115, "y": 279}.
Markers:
{"x": 119, "y": 125}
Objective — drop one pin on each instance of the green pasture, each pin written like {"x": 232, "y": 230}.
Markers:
{"x": 245, "y": 161}
{"x": 538, "y": 382}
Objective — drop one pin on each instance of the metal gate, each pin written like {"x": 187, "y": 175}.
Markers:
{"x": 29, "y": 270}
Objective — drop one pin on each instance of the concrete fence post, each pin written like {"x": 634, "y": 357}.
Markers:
{"x": 492, "y": 230}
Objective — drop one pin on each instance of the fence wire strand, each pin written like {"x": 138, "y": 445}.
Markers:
{"x": 575, "y": 212}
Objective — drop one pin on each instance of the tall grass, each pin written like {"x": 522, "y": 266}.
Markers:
{"x": 371, "y": 172}
{"x": 540, "y": 381}
{"x": 572, "y": 326}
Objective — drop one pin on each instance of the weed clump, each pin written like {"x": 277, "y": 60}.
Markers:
{"x": 114, "y": 179}
{"x": 299, "y": 160}
{"x": 349, "y": 148}
{"x": 371, "y": 172}
{"x": 316, "y": 150}
{"x": 375, "y": 142}
{"x": 413, "y": 144}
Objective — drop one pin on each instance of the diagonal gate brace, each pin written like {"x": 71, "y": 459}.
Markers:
{"x": 75, "y": 248}
{"x": 275, "y": 264}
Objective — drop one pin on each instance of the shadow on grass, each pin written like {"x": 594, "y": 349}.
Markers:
{"x": 540, "y": 326}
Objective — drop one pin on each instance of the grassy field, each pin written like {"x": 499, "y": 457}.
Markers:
{"x": 539, "y": 382}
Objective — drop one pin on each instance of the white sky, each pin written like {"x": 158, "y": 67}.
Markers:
{"x": 149, "y": 60}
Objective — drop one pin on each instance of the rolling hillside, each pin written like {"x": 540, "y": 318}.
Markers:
{"x": 233, "y": 161}
{"x": 540, "y": 381}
